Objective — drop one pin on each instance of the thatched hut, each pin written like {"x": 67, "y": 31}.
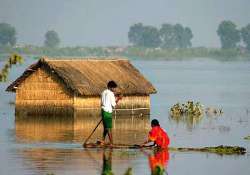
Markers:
{"x": 70, "y": 86}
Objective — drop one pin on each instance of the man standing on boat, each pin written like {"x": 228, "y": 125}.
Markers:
{"x": 108, "y": 102}
{"x": 157, "y": 135}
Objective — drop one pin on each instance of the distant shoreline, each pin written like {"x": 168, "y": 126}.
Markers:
{"x": 237, "y": 54}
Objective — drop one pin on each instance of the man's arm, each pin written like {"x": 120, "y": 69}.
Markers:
{"x": 151, "y": 138}
{"x": 146, "y": 142}
{"x": 118, "y": 98}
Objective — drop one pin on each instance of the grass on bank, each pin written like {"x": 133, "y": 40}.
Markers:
{"x": 133, "y": 52}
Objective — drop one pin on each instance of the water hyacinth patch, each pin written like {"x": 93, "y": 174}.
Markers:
{"x": 189, "y": 108}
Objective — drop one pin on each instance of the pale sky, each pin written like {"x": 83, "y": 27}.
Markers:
{"x": 107, "y": 22}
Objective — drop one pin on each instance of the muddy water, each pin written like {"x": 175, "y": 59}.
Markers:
{"x": 42, "y": 146}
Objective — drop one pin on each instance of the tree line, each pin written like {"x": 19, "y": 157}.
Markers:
{"x": 169, "y": 36}
{"x": 8, "y": 36}
{"x": 178, "y": 36}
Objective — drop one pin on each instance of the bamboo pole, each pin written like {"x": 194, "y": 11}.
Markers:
{"x": 91, "y": 133}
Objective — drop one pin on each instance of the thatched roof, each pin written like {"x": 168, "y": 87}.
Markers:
{"x": 88, "y": 77}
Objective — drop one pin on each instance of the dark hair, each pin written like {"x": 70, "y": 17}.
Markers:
{"x": 112, "y": 84}
{"x": 155, "y": 122}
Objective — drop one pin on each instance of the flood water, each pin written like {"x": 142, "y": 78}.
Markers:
{"x": 54, "y": 146}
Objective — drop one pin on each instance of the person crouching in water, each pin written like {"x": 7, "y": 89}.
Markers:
{"x": 157, "y": 135}
{"x": 108, "y": 102}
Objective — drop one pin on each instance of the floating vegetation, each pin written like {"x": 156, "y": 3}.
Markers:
{"x": 191, "y": 114}
{"x": 222, "y": 150}
{"x": 247, "y": 137}
{"x": 193, "y": 109}
{"x": 13, "y": 59}
{"x": 189, "y": 108}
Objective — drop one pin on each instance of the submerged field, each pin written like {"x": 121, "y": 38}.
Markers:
{"x": 46, "y": 146}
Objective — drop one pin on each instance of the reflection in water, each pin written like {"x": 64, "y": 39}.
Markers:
{"x": 74, "y": 161}
{"x": 42, "y": 160}
{"x": 39, "y": 129}
{"x": 158, "y": 161}
{"x": 126, "y": 130}
{"x": 190, "y": 121}
{"x": 107, "y": 162}
{"x": 56, "y": 161}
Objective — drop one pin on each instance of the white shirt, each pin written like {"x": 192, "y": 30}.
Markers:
{"x": 108, "y": 100}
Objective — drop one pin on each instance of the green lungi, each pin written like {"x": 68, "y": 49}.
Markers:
{"x": 106, "y": 119}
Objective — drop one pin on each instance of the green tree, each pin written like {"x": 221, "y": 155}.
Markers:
{"x": 175, "y": 36}
{"x": 229, "y": 35}
{"x": 187, "y": 36}
{"x": 183, "y": 36}
{"x": 145, "y": 36}
{"x": 7, "y": 34}
{"x": 168, "y": 36}
{"x": 150, "y": 37}
{"x": 245, "y": 33}
{"x": 135, "y": 34}
{"x": 179, "y": 30}
{"x": 52, "y": 39}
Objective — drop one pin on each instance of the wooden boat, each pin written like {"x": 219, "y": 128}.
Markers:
{"x": 222, "y": 150}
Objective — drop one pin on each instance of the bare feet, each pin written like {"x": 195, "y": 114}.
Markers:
{"x": 111, "y": 145}
{"x": 100, "y": 142}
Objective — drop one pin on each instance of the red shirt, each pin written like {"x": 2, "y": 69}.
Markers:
{"x": 159, "y": 136}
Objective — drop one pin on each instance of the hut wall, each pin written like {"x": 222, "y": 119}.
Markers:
{"x": 86, "y": 107}
{"x": 129, "y": 105}
{"x": 43, "y": 93}
{"x": 134, "y": 105}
